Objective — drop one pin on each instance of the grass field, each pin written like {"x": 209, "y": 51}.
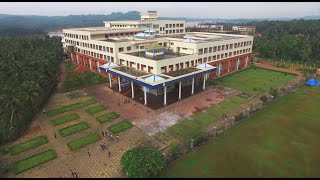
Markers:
{"x": 65, "y": 119}
{"x": 73, "y": 129}
{"x": 35, "y": 142}
{"x": 255, "y": 81}
{"x": 78, "y": 80}
{"x": 106, "y": 117}
{"x": 281, "y": 140}
{"x": 70, "y": 107}
{"x": 96, "y": 109}
{"x": 82, "y": 142}
{"x": 191, "y": 128}
{"x": 120, "y": 127}
{"x": 34, "y": 161}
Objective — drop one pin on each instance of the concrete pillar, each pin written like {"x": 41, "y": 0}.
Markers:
{"x": 77, "y": 57}
{"x": 90, "y": 64}
{"x": 204, "y": 81}
{"x": 179, "y": 90}
{"x": 165, "y": 96}
{"x": 132, "y": 90}
{"x": 110, "y": 81}
{"x": 192, "y": 87}
{"x": 119, "y": 84}
{"x": 98, "y": 67}
{"x": 145, "y": 95}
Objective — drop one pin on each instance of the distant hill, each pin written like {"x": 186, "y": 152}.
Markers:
{"x": 32, "y": 24}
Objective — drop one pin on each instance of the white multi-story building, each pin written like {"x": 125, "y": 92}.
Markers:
{"x": 157, "y": 54}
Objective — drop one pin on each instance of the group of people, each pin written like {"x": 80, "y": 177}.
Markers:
{"x": 125, "y": 101}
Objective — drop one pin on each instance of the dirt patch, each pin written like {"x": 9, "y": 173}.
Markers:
{"x": 208, "y": 99}
{"x": 80, "y": 68}
{"x": 33, "y": 130}
{"x": 75, "y": 95}
{"x": 198, "y": 110}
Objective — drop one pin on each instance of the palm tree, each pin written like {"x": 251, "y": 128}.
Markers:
{"x": 10, "y": 100}
{"x": 33, "y": 92}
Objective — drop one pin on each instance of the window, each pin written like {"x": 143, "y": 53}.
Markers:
{"x": 230, "y": 54}
{"x": 209, "y": 58}
{"x": 174, "y": 25}
{"x": 184, "y": 48}
{"x": 129, "y": 48}
{"x": 121, "y": 49}
{"x": 200, "y": 51}
{"x": 181, "y": 30}
{"x": 181, "y": 25}
{"x": 205, "y": 50}
{"x": 171, "y": 43}
{"x": 222, "y": 47}
{"x": 210, "y": 49}
{"x": 166, "y": 25}
{"x": 215, "y": 49}
{"x": 214, "y": 57}
{"x": 218, "y": 56}
{"x": 221, "y": 56}
{"x": 170, "y": 25}
{"x": 218, "y": 48}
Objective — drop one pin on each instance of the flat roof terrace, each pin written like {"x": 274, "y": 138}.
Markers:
{"x": 166, "y": 55}
{"x": 131, "y": 71}
{"x": 182, "y": 72}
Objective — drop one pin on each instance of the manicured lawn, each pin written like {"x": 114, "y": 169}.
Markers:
{"x": 73, "y": 129}
{"x": 65, "y": 119}
{"x": 78, "y": 80}
{"x": 35, "y": 142}
{"x": 191, "y": 128}
{"x": 281, "y": 140}
{"x": 82, "y": 142}
{"x": 120, "y": 127}
{"x": 70, "y": 107}
{"x": 96, "y": 109}
{"x": 106, "y": 117}
{"x": 34, "y": 161}
{"x": 255, "y": 81}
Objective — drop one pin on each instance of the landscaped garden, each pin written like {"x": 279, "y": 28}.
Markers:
{"x": 116, "y": 128}
{"x": 35, "y": 142}
{"x": 255, "y": 80}
{"x": 65, "y": 119}
{"x": 78, "y": 80}
{"x": 34, "y": 161}
{"x": 73, "y": 129}
{"x": 83, "y": 141}
{"x": 200, "y": 121}
{"x": 96, "y": 109}
{"x": 70, "y": 107}
{"x": 280, "y": 140}
{"x": 107, "y": 117}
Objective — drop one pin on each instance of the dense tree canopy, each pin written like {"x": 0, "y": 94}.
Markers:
{"x": 297, "y": 40}
{"x": 28, "y": 74}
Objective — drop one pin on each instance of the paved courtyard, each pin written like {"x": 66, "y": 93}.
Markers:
{"x": 147, "y": 123}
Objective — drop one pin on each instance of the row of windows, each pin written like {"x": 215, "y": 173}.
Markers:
{"x": 226, "y": 55}
{"x": 76, "y": 36}
{"x": 224, "y": 47}
{"x": 96, "y": 55}
{"x": 174, "y": 31}
{"x": 91, "y": 46}
{"x": 173, "y": 25}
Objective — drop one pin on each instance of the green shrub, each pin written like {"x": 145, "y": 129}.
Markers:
{"x": 212, "y": 81}
{"x": 4, "y": 168}
{"x": 201, "y": 138}
{"x": 174, "y": 150}
{"x": 141, "y": 162}
{"x": 274, "y": 92}
{"x": 264, "y": 99}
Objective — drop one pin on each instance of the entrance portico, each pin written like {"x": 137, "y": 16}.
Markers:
{"x": 160, "y": 84}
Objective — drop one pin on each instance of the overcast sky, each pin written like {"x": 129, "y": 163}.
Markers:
{"x": 167, "y": 9}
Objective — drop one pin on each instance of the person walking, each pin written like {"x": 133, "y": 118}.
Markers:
{"x": 102, "y": 133}
{"x": 109, "y": 154}
{"x": 72, "y": 173}
{"x": 117, "y": 138}
{"x": 111, "y": 137}
{"x": 55, "y": 134}
{"x": 75, "y": 173}
{"x": 89, "y": 152}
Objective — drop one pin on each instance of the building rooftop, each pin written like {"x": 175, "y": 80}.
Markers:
{"x": 182, "y": 72}
{"x": 167, "y": 55}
